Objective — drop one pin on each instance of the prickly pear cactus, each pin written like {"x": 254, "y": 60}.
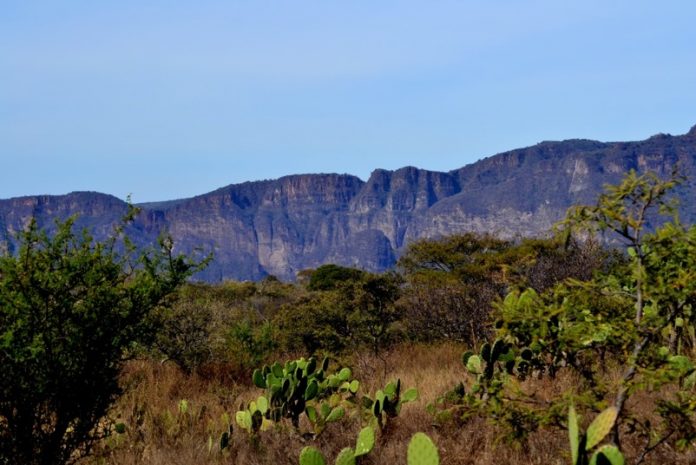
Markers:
{"x": 607, "y": 454}
{"x": 243, "y": 419}
{"x": 388, "y": 402}
{"x": 581, "y": 445}
{"x": 473, "y": 365}
{"x": 365, "y": 442}
{"x": 600, "y": 427}
{"x": 573, "y": 434}
{"x": 298, "y": 387}
{"x": 311, "y": 456}
{"x": 422, "y": 451}
{"x": 346, "y": 457}
{"x": 224, "y": 440}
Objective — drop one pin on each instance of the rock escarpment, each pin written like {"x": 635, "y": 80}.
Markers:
{"x": 282, "y": 226}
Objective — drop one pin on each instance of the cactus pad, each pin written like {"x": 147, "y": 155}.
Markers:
{"x": 473, "y": 365}
{"x": 312, "y": 390}
{"x": 600, "y": 427}
{"x": 346, "y": 457}
{"x": 258, "y": 378}
{"x": 465, "y": 356}
{"x": 243, "y": 419}
{"x": 311, "y": 456}
{"x": 336, "y": 414}
{"x": 422, "y": 451}
{"x": 607, "y": 454}
{"x": 365, "y": 442}
{"x": 410, "y": 395}
{"x": 345, "y": 374}
{"x": 262, "y": 404}
{"x": 224, "y": 440}
{"x": 573, "y": 434}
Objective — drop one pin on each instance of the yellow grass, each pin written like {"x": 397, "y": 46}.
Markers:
{"x": 158, "y": 433}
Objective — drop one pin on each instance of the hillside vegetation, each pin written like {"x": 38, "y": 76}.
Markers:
{"x": 502, "y": 351}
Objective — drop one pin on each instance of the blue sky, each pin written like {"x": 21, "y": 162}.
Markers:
{"x": 168, "y": 99}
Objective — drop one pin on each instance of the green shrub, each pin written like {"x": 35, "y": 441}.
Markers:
{"x": 70, "y": 308}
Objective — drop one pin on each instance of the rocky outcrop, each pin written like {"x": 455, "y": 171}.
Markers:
{"x": 282, "y": 226}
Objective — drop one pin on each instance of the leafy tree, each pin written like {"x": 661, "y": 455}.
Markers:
{"x": 636, "y": 316}
{"x": 185, "y": 334}
{"x": 372, "y": 300}
{"x": 251, "y": 343}
{"x": 316, "y": 321}
{"x": 331, "y": 276}
{"x": 351, "y": 313}
{"x": 452, "y": 282}
{"x": 70, "y": 309}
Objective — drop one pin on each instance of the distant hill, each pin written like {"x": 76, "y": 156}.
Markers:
{"x": 285, "y": 225}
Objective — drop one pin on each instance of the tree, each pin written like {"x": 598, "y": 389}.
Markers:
{"x": 636, "y": 317}
{"x": 344, "y": 314}
{"x": 328, "y": 277}
{"x": 372, "y": 300}
{"x": 452, "y": 282}
{"x": 70, "y": 310}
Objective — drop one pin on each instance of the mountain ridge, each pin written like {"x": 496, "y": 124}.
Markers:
{"x": 281, "y": 226}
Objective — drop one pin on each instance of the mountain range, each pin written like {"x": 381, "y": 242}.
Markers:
{"x": 279, "y": 227}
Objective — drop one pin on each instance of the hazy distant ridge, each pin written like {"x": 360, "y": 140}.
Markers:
{"x": 282, "y": 226}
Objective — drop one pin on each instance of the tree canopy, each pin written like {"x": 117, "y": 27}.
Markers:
{"x": 70, "y": 310}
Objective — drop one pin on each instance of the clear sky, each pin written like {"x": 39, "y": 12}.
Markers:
{"x": 167, "y": 99}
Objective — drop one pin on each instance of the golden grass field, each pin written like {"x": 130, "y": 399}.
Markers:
{"x": 158, "y": 434}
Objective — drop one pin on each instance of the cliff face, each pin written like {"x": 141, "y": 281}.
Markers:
{"x": 282, "y": 226}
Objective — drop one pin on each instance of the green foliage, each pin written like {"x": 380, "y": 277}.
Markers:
{"x": 330, "y": 277}
{"x": 354, "y": 313}
{"x": 311, "y": 456}
{"x": 316, "y": 322}
{"x": 581, "y": 445}
{"x": 297, "y": 387}
{"x": 387, "y": 402}
{"x": 453, "y": 282}
{"x": 348, "y": 456}
{"x": 70, "y": 309}
{"x": 365, "y": 442}
{"x": 635, "y": 314}
{"x": 184, "y": 336}
{"x": 223, "y": 442}
{"x": 372, "y": 300}
{"x": 253, "y": 419}
{"x": 251, "y": 343}
{"x": 422, "y": 451}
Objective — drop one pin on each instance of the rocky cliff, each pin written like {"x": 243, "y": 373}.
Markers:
{"x": 282, "y": 226}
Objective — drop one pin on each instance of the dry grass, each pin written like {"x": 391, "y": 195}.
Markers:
{"x": 158, "y": 433}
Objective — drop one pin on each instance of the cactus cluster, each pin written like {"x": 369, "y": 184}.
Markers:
{"x": 325, "y": 412}
{"x": 501, "y": 355}
{"x": 582, "y": 445}
{"x": 254, "y": 418}
{"x": 421, "y": 451}
{"x": 297, "y": 387}
{"x": 388, "y": 401}
{"x": 348, "y": 456}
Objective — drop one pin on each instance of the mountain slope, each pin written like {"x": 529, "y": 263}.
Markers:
{"x": 282, "y": 226}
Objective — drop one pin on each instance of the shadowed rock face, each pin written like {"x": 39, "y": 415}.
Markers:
{"x": 282, "y": 226}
